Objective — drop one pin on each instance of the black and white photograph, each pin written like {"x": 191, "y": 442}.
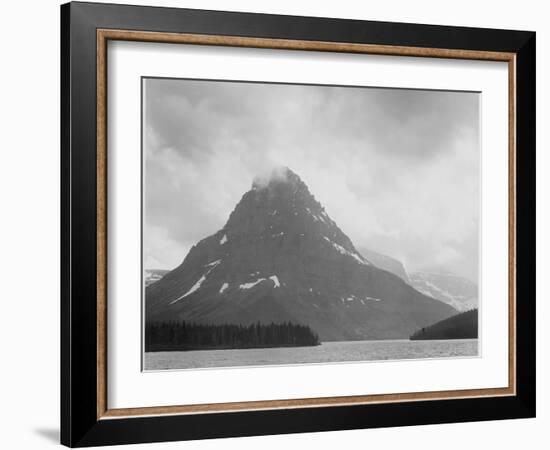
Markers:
{"x": 292, "y": 224}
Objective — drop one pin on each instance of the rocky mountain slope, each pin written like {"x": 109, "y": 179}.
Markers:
{"x": 387, "y": 263}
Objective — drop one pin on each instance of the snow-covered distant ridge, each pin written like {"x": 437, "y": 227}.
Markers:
{"x": 458, "y": 292}
{"x": 153, "y": 275}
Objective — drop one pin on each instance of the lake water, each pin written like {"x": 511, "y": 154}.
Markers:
{"x": 327, "y": 352}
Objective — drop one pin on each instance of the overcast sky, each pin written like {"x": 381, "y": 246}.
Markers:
{"x": 398, "y": 170}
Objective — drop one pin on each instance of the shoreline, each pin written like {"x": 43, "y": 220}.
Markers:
{"x": 228, "y": 347}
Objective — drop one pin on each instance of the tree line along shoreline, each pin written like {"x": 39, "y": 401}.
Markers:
{"x": 183, "y": 336}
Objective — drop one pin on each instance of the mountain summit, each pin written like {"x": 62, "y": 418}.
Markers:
{"x": 280, "y": 258}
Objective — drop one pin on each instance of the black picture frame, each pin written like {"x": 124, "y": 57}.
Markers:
{"x": 80, "y": 425}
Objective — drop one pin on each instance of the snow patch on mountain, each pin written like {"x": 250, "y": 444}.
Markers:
{"x": 315, "y": 216}
{"x": 194, "y": 288}
{"x": 325, "y": 218}
{"x": 213, "y": 263}
{"x": 223, "y": 240}
{"x": 352, "y": 298}
{"x": 251, "y": 284}
{"x": 198, "y": 284}
{"x": 343, "y": 251}
{"x": 224, "y": 287}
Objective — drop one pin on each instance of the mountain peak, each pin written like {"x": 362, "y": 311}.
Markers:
{"x": 275, "y": 176}
{"x": 278, "y": 199}
{"x": 280, "y": 257}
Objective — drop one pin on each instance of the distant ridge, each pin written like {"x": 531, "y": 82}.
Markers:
{"x": 457, "y": 291}
{"x": 153, "y": 275}
{"x": 386, "y": 263}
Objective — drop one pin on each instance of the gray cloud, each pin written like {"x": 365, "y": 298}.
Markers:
{"x": 398, "y": 170}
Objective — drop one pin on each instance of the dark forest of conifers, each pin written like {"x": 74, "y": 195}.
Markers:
{"x": 460, "y": 326}
{"x": 180, "y": 336}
